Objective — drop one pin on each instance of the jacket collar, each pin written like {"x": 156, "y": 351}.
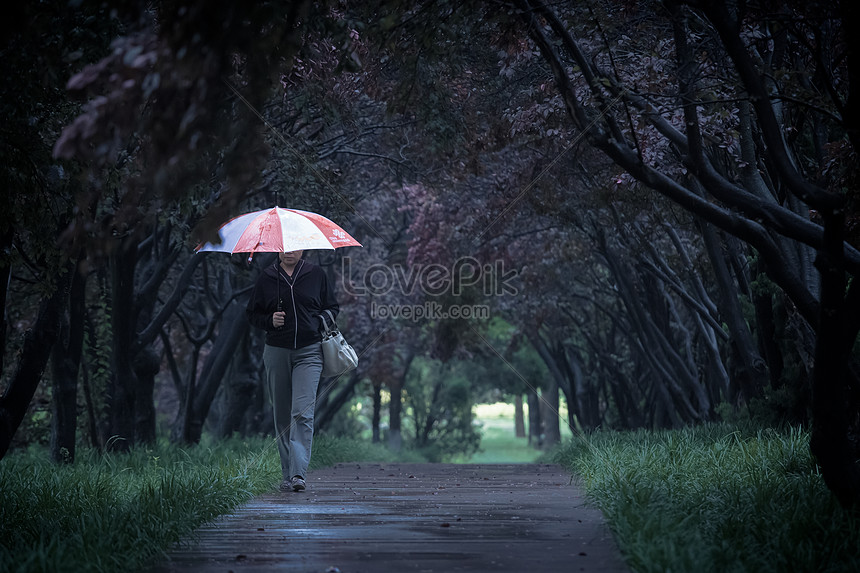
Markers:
{"x": 303, "y": 268}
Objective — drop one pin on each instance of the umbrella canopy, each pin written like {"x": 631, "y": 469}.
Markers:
{"x": 279, "y": 230}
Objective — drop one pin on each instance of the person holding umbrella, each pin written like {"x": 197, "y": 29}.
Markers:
{"x": 287, "y": 303}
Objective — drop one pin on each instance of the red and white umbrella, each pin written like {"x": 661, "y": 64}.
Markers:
{"x": 279, "y": 230}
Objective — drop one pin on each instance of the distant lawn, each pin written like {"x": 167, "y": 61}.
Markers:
{"x": 498, "y": 443}
{"x": 499, "y": 446}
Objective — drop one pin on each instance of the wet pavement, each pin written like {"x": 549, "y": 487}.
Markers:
{"x": 361, "y": 518}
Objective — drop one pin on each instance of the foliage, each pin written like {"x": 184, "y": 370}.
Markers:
{"x": 349, "y": 422}
{"x": 715, "y": 498}
{"x": 331, "y": 450}
{"x": 775, "y": 408}
{"x": 117, "y": 512}
{"x": 492, "y": 377}
{"x": 439, "y": 402}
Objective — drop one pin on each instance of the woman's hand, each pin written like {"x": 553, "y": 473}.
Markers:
{"x": 278, "y": 319}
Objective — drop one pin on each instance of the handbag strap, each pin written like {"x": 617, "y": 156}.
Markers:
{"x": 333, "y": 323}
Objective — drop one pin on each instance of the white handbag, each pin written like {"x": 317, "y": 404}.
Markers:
{"x": 338, "y": 355}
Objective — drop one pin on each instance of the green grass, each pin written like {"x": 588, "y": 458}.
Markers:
{"x": 715, "y": 498}
{"x": 117, "y": 512}
{"x": 499, "y": 444}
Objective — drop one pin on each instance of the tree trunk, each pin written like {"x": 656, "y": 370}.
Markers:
{"x": 234, "y": 326}
{"x": 184, "y": 416}
{"x": 549, "y": 405}
{"x": 627, "y": 394}
{"x": 519, "y": 420}
{"x": 123, "y": 384}
{"x": 31, "y": 364}
{"x": 326, "y": 386}
{"x": 535, "y": 435}
{"x": 5, "y": 278}
{"x": 66, "y": 359}
{"x": 651, "y": 335}
{"x": 395, "y": 409}
{"x": 554, "y": 356}
{"x": 345, "y": 391}
{"x": 258, "y": 420}
{"x": 92, "y": 423}
{"x": 146, "y": 368}
{"x": 753, "y": 375}
{"x": 240, "y": 396}
{"x": 422, "y": 430}
{"x": 585, "y": 395}
{"x": 377, "y": 412}
{"x": 395, "y": 406}
{"x": 767, "y": 335}
{"x": 831, "y": 402}
{"x": 153, "y": 263}
{"x": 241, "y": 385}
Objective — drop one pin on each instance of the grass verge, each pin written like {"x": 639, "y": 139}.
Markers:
{"x": 116, "y": 512}
{"x": 715, "y": 498}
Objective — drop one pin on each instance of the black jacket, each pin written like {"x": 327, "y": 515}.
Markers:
{"x": 302, "y": 297}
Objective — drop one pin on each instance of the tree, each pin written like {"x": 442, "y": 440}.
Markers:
{"x": 440, "y": 407}
{"x": 37, "y": 201}
{"x": 761, "y": 185}
{"x": 140, "y": 144}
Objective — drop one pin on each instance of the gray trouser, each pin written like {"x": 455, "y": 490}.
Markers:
{"x": 292, "y": 378}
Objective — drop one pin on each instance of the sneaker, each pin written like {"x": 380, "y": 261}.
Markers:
{"x": 297, "y": 483}
{"x": 286, "y": 485}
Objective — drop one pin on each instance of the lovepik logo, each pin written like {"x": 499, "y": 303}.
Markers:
{"x": 433, "y": 279}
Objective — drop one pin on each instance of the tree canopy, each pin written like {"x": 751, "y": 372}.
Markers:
{"x": 654, "y": 201}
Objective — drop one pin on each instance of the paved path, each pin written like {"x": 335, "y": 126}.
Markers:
{"x": 362, "y": 518}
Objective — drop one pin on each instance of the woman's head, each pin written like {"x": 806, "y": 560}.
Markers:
{"x": 290, "y": 258}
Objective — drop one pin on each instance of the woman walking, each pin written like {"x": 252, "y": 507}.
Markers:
{"x": 287, "y": 302}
